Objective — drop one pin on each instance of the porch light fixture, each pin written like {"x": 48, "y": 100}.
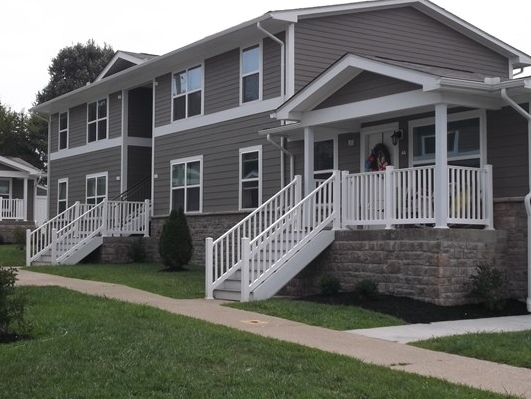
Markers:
{"x": 397, "y": 135}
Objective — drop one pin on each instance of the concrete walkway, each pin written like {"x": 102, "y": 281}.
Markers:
{"x": 461, "y": 370}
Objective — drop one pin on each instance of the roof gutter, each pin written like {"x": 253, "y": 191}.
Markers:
{"x": 526, "y": 115}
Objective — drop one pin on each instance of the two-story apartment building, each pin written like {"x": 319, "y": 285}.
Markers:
{"x": 422, "y": 111}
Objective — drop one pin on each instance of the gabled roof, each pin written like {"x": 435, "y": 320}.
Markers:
{"x": 273, "y": 21}
{"x": 123, "y": 60}
{"x": 21, "y": 166}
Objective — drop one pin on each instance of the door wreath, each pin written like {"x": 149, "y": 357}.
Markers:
{"x": 378, "y": 158}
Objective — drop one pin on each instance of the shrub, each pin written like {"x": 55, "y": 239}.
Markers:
{"x": 175, "y": 244}
{"x": 137, "y": 251}
{"x": 488, "y": 287}
{"x": 19, "y": 236}
{"x": 367, "y": 289}
{"x": 330, "y": 285}
{"x": 12, "y": 306}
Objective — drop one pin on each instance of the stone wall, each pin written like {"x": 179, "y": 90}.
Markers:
{"x": 7, "y": 229}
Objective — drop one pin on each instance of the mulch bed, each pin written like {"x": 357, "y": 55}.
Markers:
{"x": 414, "y": 311}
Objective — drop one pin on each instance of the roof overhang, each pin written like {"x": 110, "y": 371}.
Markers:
{"x": 23, "y": 168}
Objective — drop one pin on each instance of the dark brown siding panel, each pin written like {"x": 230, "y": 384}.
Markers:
{"x": 138, "y": 164}
{"x": 222, "y": 74}
{"x": 400, "y": 33}
{"x": 77, "y": 168}
{"x": 77, "y": 126}
{"x": 271, "y": 68}
{"x": 163, "y": 100}
{"x": 140, "y": 112}
{"x": 366, "y": 86}
{"x": 507, "y": 152}
{"x": 115, "y": 115}
{"x": 219, "y": 145}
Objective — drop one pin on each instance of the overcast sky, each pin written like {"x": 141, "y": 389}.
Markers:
{"x": 33, "y": 31}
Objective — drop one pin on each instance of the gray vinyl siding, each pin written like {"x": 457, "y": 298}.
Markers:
{"x": 219, "y": 145}
{"x": 398, "y": 33}
{"x": 7, "y": 168}
{"x": 271, "y": 68}
{"x": 507, "y": 152}
{"x": 365, "y": 86}
{"x": 77, "y": 126}
{"x": 163, "y": 100}
{"x": 140, "y": 113}
{"x": 115, "y": 115}
{"x": 54, "y": 132}
{"x": 77, "y": 168}
{"x": 222, "y": 82}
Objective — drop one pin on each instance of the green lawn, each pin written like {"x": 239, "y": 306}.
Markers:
{"x": 330, "y": 316}
{"x": 150, "y": 277}
{"x": 513, "y": 348}
{"x": 95, "y": 347}
{"x": 10, "y": 255}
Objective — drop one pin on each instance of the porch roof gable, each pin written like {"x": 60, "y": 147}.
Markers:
{"x": 19, "y": 168}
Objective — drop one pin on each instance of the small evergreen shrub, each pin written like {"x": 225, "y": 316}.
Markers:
{"x": 175, "y": 244}
{"x": 330, "y": 285}
{"x": 12, "y": 306}
{"x": 489, "y": 287}
{"x": 137, "y": 251}
{"x": 367, "y": 289}
{"x": 19, "y": 236}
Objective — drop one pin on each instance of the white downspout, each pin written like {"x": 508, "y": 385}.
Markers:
{"x": 291, "y": 160}
{"x": 526, "y": 115}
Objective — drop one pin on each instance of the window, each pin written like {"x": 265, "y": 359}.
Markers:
{"x": 323, "y": 158}
{"x": 187, "y": 93}
{"x": 250, "y": 73}
{"x": 97, "y": 121}
{"x": 250, "y": 177}
{"x": 5, "y": 189}
{"x": 96, "y": 188}
{"x": 63, "y": 130}
{"x": 463, "y": 141}
{"x": 62, "y": 195}
{"x": 186, "y": 184}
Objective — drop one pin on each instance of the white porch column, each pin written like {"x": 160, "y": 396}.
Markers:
{"x": 441, "y": 166}
{"x": 308, "y": 160}
{"x": 26, "y": 200}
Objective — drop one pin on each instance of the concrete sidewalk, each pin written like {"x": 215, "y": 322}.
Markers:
{"x": 461, "y": 370}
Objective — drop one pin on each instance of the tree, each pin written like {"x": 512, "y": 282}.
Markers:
{"x": 74, "y": 67}
{"x": 175, "y": 244}
{"x": 22, "y": 136}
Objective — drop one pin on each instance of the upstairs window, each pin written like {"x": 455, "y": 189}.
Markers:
{"x": 250, "y": 177}
{"x": 186, "y": 180}
{"x": 96, "y": 188}
{"x": 187, "y": 93}
{"x": 97, "y": 121}
{"x": 63, "y": 130}
{"x": 250, "y": 74}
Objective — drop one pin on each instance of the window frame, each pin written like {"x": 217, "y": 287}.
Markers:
{"x": 241, "y": 180}
{"x": 96, "y": 196}
{"x": 98, "y": 120}
{"x": 63, "y": 131}
{"x": 59, "y": 200}
{"x": 9, "y": 187}
{"x": 187, "y": 161}
{"x": 334, "y": 154}
{"x": 453, "y": 154}
{"x": 186, "y": 94}
{"x": 258, "y": 71}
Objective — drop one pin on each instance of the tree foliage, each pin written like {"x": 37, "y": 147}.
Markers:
{"x": 74, "y": 67}
{"x": 175, "y": 244}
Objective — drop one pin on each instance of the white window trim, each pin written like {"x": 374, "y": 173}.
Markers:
{"x": 64, "y": 180}
{"x": 480, "y": 114}
{"x": 64, "y": 130}
{"x": 188, "y": 160}
{"x": 98, "y": 120}
{"x": 96, "y": 175}
{"x": 246, "y": 150}
{"x": 186, "y": 93}
{"x": 260, "y": 72}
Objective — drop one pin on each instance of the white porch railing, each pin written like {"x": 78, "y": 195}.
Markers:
{"x": 405, "y": 196}
{"x": 70, "y": 229}
{"x": 12, "y": 209}
{"x": 223, "y": 256}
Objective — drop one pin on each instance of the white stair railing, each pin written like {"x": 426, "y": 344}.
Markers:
{"x": 275, "y": 245}
{"x": 12, "y": 209}
{"x": 223, "y": 256}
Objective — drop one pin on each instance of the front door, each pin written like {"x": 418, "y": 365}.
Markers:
{"x": 372, "y": 140}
